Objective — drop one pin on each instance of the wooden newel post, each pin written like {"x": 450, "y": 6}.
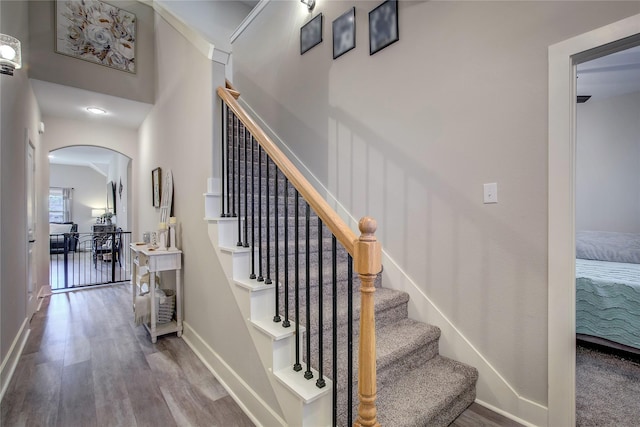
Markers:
{"x": 368, "y": 264}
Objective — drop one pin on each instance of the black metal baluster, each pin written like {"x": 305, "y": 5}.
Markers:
{"x": 236, "y": 175}
{"x": 286, "y": 322}
{"x": 223, "y": 157}
{"x": 308, "y": 374}
{"x": 267, "y": 279}
{"x": 260, "y": 278}
{"x": 276, "y": 318}
{"x": 229, "y": 148}
{"x": 246, "y": 193}
{"x": 350, "y": 339}
{"x": 334, "y": 288}
{"x": 253, "y": 211}
{"x": 296, "y": 277}
{"x": 320, "y": 382}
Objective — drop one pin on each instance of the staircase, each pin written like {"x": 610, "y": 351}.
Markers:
{"x": 415, "y": 385}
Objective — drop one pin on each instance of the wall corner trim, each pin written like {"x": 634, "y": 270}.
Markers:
{"x": 256, "y": 409}
{"x": 10, "y": 362}
{"x": 250, "y": 17}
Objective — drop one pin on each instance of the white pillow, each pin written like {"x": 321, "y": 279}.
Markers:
{"x": 59, "y": 228}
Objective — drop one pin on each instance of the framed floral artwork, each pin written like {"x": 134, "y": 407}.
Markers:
{"x": 97, "y": 32}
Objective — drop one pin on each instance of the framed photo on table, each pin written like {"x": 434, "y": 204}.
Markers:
{"x": 156, "y": 176}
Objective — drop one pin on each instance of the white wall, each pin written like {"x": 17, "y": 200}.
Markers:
{"x": 19, "y": 115}
{"x": 177, "y": 135}
{"x": 89, "y": 190}
{"x": 608, "y": 164}
{"x": 409, "y": 136}
{"x": 216, "y": 20}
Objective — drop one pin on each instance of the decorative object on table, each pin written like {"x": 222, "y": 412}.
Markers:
{"x": 344, "y": 33}
{"x": 383, "y": 26}
{"x": 173, "y": 222}
{"x": 156, "y": 176}
{"x": 162, "y": 236}
{"x": 311, "y": 34}
{"x": 146, "y": 237}
{"x": 106, "y": 218}
{"x": 165, "y": 305}
{"x": 97, "y": 32}
{"x": 153, "y": 241}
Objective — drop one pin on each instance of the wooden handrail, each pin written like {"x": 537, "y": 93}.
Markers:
{"x": 329, "y": 217}
{"x": 365, "y": 250}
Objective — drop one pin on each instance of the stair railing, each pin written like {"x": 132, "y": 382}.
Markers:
{"x": 243, "y": 141}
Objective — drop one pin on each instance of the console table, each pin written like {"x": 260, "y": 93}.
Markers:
{"x": 146, "y": 259}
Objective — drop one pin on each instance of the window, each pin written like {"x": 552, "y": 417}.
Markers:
{"x": 60, "y": 204}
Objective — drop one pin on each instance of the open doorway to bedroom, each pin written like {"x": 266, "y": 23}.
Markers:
{"x": 88, "y": 217}
{"x": 607, "y": 224}
{"x": 564, "y": 57}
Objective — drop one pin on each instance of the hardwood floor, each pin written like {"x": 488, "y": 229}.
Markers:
{"x": 87, "y": 364}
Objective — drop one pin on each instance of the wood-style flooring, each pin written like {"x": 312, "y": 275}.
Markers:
{"x": 87, "y": 364}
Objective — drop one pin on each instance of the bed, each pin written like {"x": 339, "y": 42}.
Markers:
{"x": 608, "y": 288}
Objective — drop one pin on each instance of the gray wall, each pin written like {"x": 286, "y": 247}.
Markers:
{"x": 608, "y": 164}
{"x": 53, "y": 67}
{"x": 19, "y": 115}
{"x": 409, "y": 136}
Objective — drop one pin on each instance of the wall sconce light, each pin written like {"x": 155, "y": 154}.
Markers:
{"x": 10, "y": 55}
{"x": 310, "y": 4}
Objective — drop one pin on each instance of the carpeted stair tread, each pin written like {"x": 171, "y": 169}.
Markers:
{"x": 395, "y": 341}
{"x": 427, "y": 395}
{"x": 399, "y": 346}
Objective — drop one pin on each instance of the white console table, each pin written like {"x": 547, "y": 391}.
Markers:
{"x": 154, "y": 261}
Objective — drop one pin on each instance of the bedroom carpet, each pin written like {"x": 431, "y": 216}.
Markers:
{"x": 607, "y": 389}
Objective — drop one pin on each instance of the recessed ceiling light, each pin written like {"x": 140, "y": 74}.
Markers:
{"x": 96, "y": 110}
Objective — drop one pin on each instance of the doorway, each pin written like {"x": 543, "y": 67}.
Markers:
{"x": 563, "y": 59}
{"x": 88, "y": 217}
{"x": 32, "y": 286}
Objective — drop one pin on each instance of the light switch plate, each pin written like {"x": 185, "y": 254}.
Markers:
{"x": 491, "y": 192}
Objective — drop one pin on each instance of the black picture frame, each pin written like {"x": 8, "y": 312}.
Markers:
{"x": 344, "y": 33}
{"x": 383, "y": 26}
{"x": 156, "y": 177}
{"x": 311, "y": 34}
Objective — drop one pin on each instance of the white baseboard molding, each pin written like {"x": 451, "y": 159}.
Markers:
{"x": 493, "y": 389}
{"x": 44, "y": 291}
{"x": 10, "y": 362}
{"x": 256, "y": 409}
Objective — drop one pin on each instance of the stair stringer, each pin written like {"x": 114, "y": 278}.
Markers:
{"x": 301, "y": 402}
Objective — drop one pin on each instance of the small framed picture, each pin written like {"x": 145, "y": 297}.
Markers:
{"x": 383, "y": 26}
{"x": 311, "y": 34}
{"x": 344, "y": 33}
{"x": 155, "y": 186}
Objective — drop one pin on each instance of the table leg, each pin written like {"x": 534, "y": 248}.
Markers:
{"x": 179, "y": 302}
{"x": 152, "y": 291}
